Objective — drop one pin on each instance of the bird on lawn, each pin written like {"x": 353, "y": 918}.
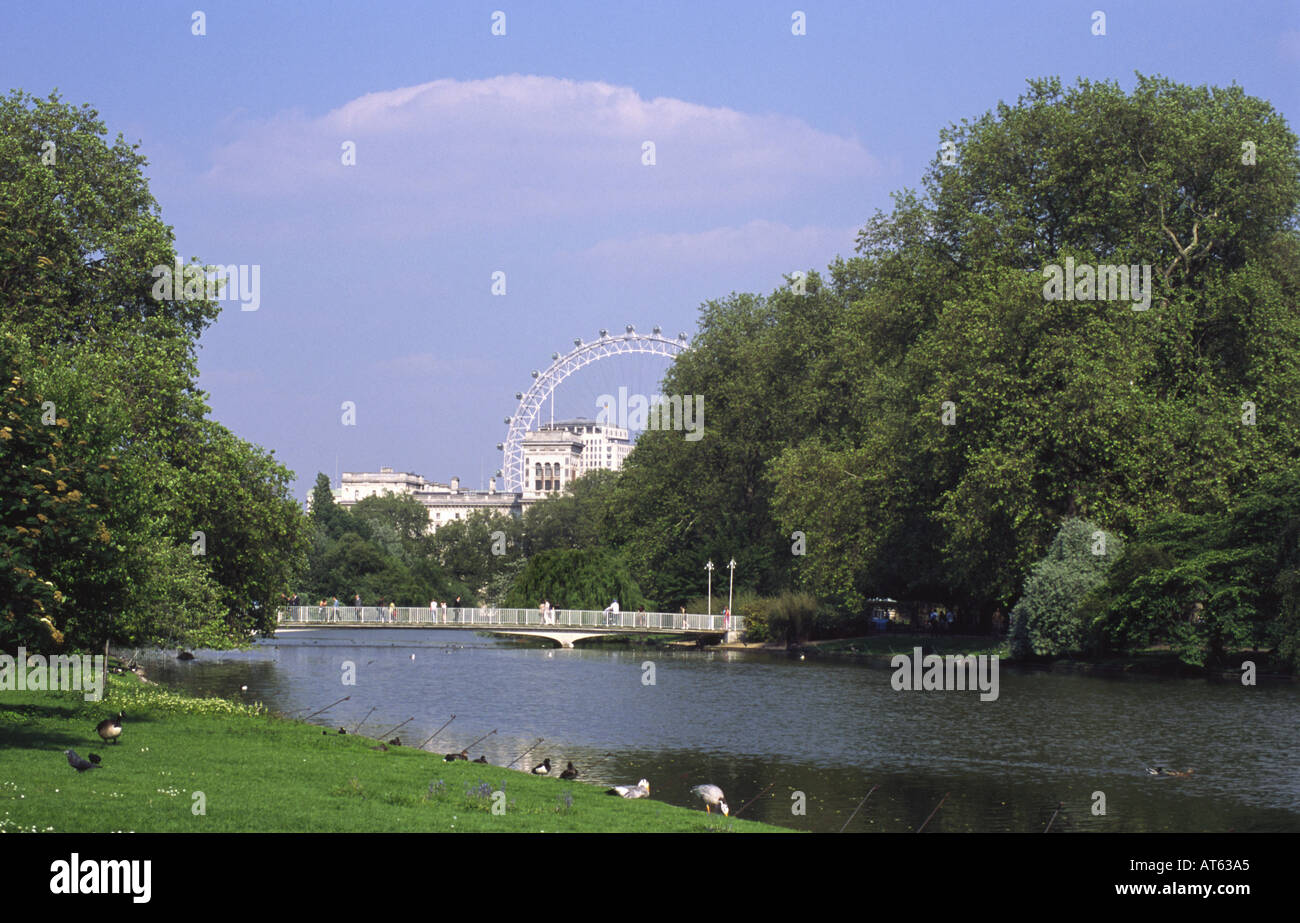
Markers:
{"x": 111, "y": 728}
{"x": 569, "y": 773}
{"x": 543, "y": 768}
{"x": 452, "y": 757}
{"x": 78, "y": 763}
{"x": 713, "y": 797}
{"x": 640, "y": 790}
{"x": 94, "y": 758}
{"x": 482, "y": 759}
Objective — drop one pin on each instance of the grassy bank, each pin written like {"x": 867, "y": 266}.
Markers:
{"x": 262, "y": 773}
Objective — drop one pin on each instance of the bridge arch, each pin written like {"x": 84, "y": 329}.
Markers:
{"x": 545, "y": 382}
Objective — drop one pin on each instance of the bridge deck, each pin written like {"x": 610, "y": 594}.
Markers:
{"x": 588, "y": 622}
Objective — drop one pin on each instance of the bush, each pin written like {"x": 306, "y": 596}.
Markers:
{"x": 1047, "y": 619}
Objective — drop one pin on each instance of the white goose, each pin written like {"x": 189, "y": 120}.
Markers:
{"x": 640, "y": 790}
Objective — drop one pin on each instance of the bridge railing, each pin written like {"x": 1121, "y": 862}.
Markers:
{"x": 493, "y": 617}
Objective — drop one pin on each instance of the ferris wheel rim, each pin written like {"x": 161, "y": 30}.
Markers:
{"x": 545, "y": 382}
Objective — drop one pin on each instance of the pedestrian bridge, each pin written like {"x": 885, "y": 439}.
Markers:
{"x": 561, "y": 625}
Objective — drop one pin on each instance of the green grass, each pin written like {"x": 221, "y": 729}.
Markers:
{"x": 263, "y": 773}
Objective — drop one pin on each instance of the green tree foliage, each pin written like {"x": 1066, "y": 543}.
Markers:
{"x": 766, "y": 372}
{"x": 1047, "y": 620}
{"x": 380, "y": 549}
{"x": 102, "y": 504}
{"x": 580, "y": 517}
{"x": 1206, "y": 584}
{"x": 576, "y": 579}
{"x": 468, "y": 549}
{"x": 1059, "y": 408}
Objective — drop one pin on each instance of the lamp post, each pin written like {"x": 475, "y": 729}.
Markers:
{"x": 730, "y": 586}
{"x": 709, "y": 568}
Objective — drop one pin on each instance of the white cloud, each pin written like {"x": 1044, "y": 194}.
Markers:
{"x": 514, "y": 148}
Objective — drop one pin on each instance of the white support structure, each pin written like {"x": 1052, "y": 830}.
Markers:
{"x": 544, "y": 383}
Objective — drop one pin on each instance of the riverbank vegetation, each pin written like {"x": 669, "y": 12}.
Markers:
{"x": 249, "y": 771}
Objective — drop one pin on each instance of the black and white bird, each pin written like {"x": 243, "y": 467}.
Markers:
{"x": 543, "y": 768}
{"x": 569, "y": 773}
{"x": 78, "y": 763}
{"x": 111, "y": 728}
{"x": 713, "y": 798}
{"x": 640, "y": 790}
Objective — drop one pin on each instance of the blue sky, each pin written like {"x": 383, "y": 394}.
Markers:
{"x": 522, "y": 153}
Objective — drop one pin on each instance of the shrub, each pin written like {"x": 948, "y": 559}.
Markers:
{"x": 1047, "y": 619}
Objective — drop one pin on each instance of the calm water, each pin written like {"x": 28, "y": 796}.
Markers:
{"x": 830, "y": 730}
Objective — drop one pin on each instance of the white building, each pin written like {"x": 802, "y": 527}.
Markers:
{"x": 555, "y": 455}
{"x": 445, "y": 502}
{"x": 603, "y": 446}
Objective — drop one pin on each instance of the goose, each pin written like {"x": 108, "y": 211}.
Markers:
{"x": 569, "y": 773}
{"x": 543, "y": 768}
{"x": 640, "y": 790}
{"x": 712, "y": 795}
{"x": 482, "y": 759}
{"x": 110, "y": 728}
{"x": 452, "y": 757}
{"x": 1175, "y": 772}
